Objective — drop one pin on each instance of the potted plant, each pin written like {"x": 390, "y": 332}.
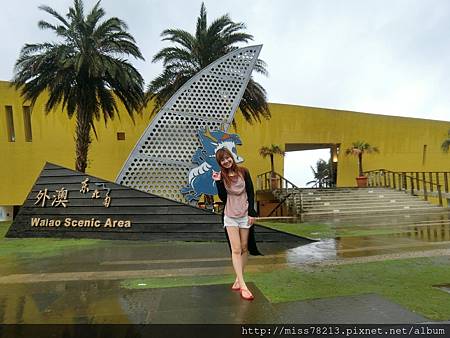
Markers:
{"x": 359, "y": 148}
{"x": 271, "y": 151}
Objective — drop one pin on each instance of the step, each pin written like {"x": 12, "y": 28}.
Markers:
{"x": 361, "y": 201}
{"x": 348, "y": 196}
{"x": 351, "y": 196}
{"x": 359, "y": 219}
{"x": 407, "y": 214}
{"x": 368, "y": 208}
{"x": 346, "y": 191}
{"x": 365, "y": 210}
{"x": 365, "y": 194}
{"x": 369, "y": 204}
{"x": 359, "y": 198}
{"x": 373, "y": 212}
{"x": 311, "y": 216}
{"x": 379, "y": 198}
{"x": 348, "y": 201}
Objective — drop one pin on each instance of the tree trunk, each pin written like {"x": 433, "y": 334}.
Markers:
{"x": 82, "y": 140}
{"x": 360, "y": 164}
{"x": 271, "y": 166}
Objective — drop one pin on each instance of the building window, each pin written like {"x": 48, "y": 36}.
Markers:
{"x": 10, "y": 124}
{"x": 27, "y": 123}
{"x": 121, "y": 136}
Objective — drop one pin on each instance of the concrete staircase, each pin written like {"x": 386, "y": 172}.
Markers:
{"x": 352, "y": 201}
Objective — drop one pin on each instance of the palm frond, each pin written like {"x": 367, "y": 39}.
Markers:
{"x": 192, "y": 52}
{"x": 82, "y": 72}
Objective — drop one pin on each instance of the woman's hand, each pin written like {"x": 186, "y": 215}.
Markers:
{"x": 251, "y": 220}
{"x": 216, "y": 176}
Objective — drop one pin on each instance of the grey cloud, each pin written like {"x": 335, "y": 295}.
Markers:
{"x": 357, "y": 55}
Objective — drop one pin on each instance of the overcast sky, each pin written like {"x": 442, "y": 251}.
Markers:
{"x": 376, "y": 56}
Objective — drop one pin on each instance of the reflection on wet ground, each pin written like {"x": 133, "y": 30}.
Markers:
{"x": 123, "y": 259}
{"x": 398, "y": 234}
{"x": 409, "y": 233}
{"x": 96, "y": 302}
{"x": 83, "y": 285}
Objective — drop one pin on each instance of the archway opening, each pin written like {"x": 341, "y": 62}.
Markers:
{"x": 301, "y": 165}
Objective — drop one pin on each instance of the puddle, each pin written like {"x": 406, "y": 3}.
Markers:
{"x": 312, "y": 253}
{"x": 379, "y": 235}
{"x": 443, "y": 287}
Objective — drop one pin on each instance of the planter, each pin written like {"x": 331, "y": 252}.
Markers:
{"x": 361, "y": 181}
{"x": 274, "y": 183}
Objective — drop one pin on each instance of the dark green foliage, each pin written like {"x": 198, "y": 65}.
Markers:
{"x": 359, "y": 148}
{"x": 191, "y": 53}
{"x": 321, "y": 174}
{"x": 82, "y": 71}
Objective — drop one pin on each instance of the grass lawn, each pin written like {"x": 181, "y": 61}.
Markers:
{"x": 40, "y": 246}
{"x": 314, "y": 231}
{"x": 408, "y": 282}
{"x": 324, "y": 231}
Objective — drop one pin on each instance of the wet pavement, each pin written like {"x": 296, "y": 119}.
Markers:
{"x": 360, "y": 309}
{"x": 407, "y": 233}
{"x": 105, "y": 302}
{"x": 145, "y": 259}
{"x": 100, "y": 302}
{"x": 84, "y": 285}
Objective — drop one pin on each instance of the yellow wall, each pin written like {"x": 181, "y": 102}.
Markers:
{"x": 53, "y": 141}
{"x": 400, "y": 141}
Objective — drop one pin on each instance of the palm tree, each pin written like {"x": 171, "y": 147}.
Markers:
{"x": 359, "y": 148}
{"x": 271, "y": 151}
{"x": 85, "y": 72}
{"x": 191, "y": 53}
{"x": 445, "y": 146}
{"x": 321, "y": 174}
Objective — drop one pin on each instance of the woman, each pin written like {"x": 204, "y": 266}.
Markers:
{"x": 235, "y": 189}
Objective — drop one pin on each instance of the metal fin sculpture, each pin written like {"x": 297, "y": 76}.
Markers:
{"x": 161, "y": 160}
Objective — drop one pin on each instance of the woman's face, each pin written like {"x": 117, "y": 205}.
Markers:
{"x": 226, "y": 162}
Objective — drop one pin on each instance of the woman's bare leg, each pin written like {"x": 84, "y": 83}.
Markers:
{"x": 244, "y": 246}
{"x": 236, "y": 254}
{"x": 244, "y": 233}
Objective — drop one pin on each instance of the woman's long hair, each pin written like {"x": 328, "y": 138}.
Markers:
{"x": 225, "y": 173}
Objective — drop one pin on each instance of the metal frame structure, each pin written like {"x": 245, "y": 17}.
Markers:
{"x": 160, "y": 161}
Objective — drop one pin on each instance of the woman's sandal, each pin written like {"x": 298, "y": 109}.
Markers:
{"x": 249, "y": 297}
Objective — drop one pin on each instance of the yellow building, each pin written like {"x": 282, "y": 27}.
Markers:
{"x": 29, "y": 139}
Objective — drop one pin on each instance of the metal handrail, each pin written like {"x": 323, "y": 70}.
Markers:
{"x": 271, "y": 181}
{"x": 279, "y": 205}
{"x": 402, "y": 181}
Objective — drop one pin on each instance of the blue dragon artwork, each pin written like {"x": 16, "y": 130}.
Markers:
{"x": 199, "y": 178}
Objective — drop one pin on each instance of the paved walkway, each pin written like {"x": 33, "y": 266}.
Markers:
{"x": 83, "y": 286}
{"x": 103, "y": 301}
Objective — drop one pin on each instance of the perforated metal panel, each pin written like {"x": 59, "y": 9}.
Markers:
{"x": 161, "y": 160}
